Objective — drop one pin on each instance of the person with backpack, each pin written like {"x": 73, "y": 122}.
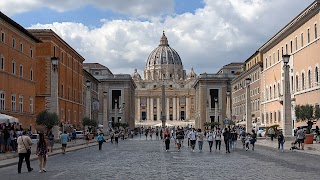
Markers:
{"x": 217, "y": 135}
{"x": 100, "y": 140}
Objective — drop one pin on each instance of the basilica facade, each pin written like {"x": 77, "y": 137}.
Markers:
{"x": 164, "y": 67}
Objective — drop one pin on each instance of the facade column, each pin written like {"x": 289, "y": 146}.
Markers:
{"x": 216, "y": 109}
{"x": 287, "y": 123}
{"x": 88, "y": 99}
{"x": 168, "y": 108}
{"x": 138, "y": 115}
{"x": 54, "y": 102}
{"x": 158, "y": 110}
{"x": 148, "y": 108}
{"x": 151, "y": 108}
{"x": 178, "y": 108}
{"x": 187, "y": 108}
{"x": 174, "y": 108}
{"x": 228, "y": 110}
{"x": 248, "y": 107}
{"x": 105, "y": 112}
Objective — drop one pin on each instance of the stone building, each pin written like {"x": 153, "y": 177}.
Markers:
{"x": 299, "y": 39}
{"x": 212, "y": 95}
{"x": 17, "y": 72}
{"x": 240, "y": 90}
{"x": 115, "y": 95}
{"x": 164, "y": 65}
{"x": 91, "y": 96}
{"x": 59, "y": 74}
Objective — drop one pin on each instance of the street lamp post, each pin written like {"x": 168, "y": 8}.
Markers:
{"x": 163, "y": 117}
{"x": 105, "y": 111}
{"x": 54, "y": 85}
{"x": 286, "y": 123}
{"x": 88, "y": 99}
{"x": 248, "y": 105}
{"x": 116, "y": 110}
{"x": 216, "y": 115}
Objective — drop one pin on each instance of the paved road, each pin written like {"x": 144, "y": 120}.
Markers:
{"x": 140, "y": 159}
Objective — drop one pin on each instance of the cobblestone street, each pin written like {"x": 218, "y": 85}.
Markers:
{"x": 140, "y": 159}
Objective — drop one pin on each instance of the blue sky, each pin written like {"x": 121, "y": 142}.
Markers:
{"x": 207, "y": 34}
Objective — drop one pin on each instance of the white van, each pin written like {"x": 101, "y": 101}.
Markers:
{"x": 261, "y": 131}
{"x": 80, "y": 134}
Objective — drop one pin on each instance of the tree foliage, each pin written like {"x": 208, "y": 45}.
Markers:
{"x": 47, "y": 119}
{"x": 89, "y": 122}
{"x": 305, "y": 113}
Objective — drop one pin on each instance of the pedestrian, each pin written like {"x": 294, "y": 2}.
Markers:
{"x": 166, "y": 139}
{"x": 210, "y": 139}
{"x": 161, "y": 134}
{"x": 200, "y": 136}
{"x": 227, "y": 137}
{"x": 317, "y": 131}
{"x": 253, "y": 139}
{"x": 179, "y": 138}
{"x": 157, "y": 134}
{"x": 146, "y": 133}
{"x": 217, "y": 136}
{"x": 64, "y": 141}
{"x": 243, "y": 137}
{"x": 151, "y": 133}
{"x": 42, "y": 153}
{"x": 51, "y": 140}
{"x": 74, "y": 136}
{"x": 111, "y": 136}
{"x": 281, "y": 142}
{"x": 271, "y": 133}
{"x": 193, "y": 139}
{"x": 247, "y": 141}
{"x": 116, "y": 137}
{"x": 2, "y": 143}
{"x": 100, "y": 140}
{"x": 301, "y": 136}
{"x": 24, "y": 151}
{"x": 87, "y": 137}
{"x": 188, "y": 136}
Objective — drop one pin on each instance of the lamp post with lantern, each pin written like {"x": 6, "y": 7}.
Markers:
{"x": 287, "y": 122}
{"x": 88, "y": 99}
{"x": 248, "y": 107}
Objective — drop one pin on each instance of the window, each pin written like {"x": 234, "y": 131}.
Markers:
{"x": 20, "y": 104}
{"x": 54, "y": 51}
{"x": 278, "y": 55}
{"x": 13, "y": 102}
{"x": 267, "y": 93}
{"x": 21, "y": 47}
{"x": 315, "y": 31}
{"x": 266, "y": 62}
{"x": 286, "y": 48}
{"x": 21, "y": 70}
{"x": 309, "y": 79}
{"x": 271, "y": 118}
{"x": 2, "y": 101}
{"x": 302, "y": 81}
{"x": 274, "y": 91}
{"x": 270, "y": 92}
{"x": 62, "y": 57}
{"x": 282, "y": 51}
{"x": 279, "y": 116}
{"x": 308, "y": 35}
{"x": 13, "y": 67}
{"x": 274, "y": 58}
{"x": 31, "y": 52}
{"x": 279, "y": 89}
{"x": 62, "y": 91}
{"x": 258, "y": 105}
{"x": 301, "y": 39}
{"x": 13, "y": 42}
{"x": 297, "y": 83}
{"x": 275, "y": 117}
{"x": 267, "y": 118}
{"x": 290, "y": 46}
{"x": 68, "y": 93}
{"x": 31, "y": 74}
{"x": 3, "y": 36}
{"x": 270, "y": 60}
{"x": 31, "y": 105}
{"x": 296, "y": 40}
{"x": 316, "y": 76}
{"x": 2, "y": 62}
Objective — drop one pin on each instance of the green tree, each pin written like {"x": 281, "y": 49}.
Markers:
{"x": 89, "y": 122}
{"x": 47, "y": 119}
{"x": 305, "y": 113}
{"x": 317, "y": 112}
{"x": 206, "y": 124}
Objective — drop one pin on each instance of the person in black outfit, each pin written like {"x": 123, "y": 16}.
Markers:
{"x": 227, "y": 137}
{"x": 166, "y": 138}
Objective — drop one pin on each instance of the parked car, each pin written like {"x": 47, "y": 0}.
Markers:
{"x": 35, "y": 138}
{"x": 261, "y": 131}
{"x": 80, "y": 134}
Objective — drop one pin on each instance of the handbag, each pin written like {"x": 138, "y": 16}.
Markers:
{"x": 28, "y": 149}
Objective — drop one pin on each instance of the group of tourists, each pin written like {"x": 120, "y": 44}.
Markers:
{"x": 8, "y": 139}
{"x": 228, "y": 135}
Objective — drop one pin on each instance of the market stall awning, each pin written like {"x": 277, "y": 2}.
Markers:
{"x": 8, "y": 119}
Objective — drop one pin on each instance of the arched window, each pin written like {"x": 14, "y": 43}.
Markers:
{"x": 302, "y": 81}
{"x": 316, "y": 76}
{"x": 279, "y": 92}
{"x": 297, "y": 83}
{"x": 275, "y": 117}
{"x": 270, "y": 92}
{"x": 274, "y": 91}
{"x": 267, "y": 93}
{"x": 267, "y": 118}
{"x": 309, "y": 79}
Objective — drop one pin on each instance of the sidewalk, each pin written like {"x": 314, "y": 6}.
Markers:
{"x": 308, "y": 148}
{"x": 11, "y": 158}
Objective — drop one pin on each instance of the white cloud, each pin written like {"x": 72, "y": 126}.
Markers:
{"x": 223, "y": 31}
{"x": 133, "y": 8}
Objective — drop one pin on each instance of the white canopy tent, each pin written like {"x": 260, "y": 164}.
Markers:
{"x": 8, "y": 119}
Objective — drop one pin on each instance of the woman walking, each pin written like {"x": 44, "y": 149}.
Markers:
{"x": 218, "y": 138}
{"x": 42, "y": 153}
{"x": 210, "y": 139}
{"x": 166, "y": 139}
{"x": 200, "y": 139}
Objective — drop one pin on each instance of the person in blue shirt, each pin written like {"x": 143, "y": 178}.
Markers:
{"x": 74, "y": 136}
{"x": 100, "y": 140}
{"x": 64, "y": 140}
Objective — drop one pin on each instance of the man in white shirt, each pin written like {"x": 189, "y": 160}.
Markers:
{"x": 24, "y": 142}
{"x": 193, "y": 138}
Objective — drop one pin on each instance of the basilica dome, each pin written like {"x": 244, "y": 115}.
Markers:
{"x": 163, "y": 54}
{"x": 164, "y": 62}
